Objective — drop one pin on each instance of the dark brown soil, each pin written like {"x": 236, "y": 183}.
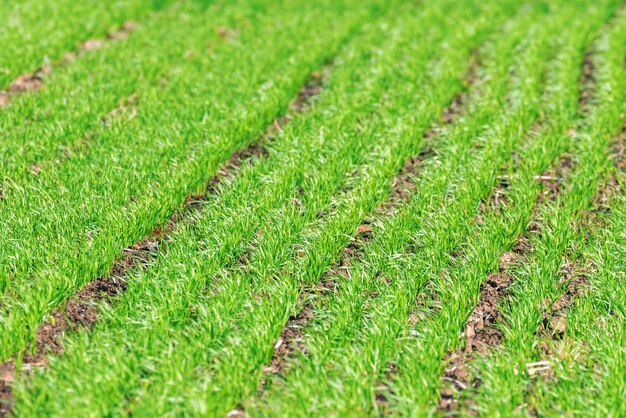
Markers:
{"x": 457, "y": 379}
{"x": 587, "y": 80}
{"x": 34, "y": 81}
{"x": 26, "y": 82}
{"x": 352, "y": 251}
{"x": 481, "y": 334}
{"x": 127, "y": 106}
{"x": 291, "y": 340}
{"x": 574, "y": 282}
{"x": 80, "y": 312}
{"x": 229, "y": 169}
{"x": 310, "y": 89}
{"x": 611, "y": 187}
{"x": 552, "y": 179}
{"x": 480, "y": 330}
{"x": 403, "y": 185}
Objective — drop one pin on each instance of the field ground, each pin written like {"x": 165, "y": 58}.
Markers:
{"x": 294, "y": 208}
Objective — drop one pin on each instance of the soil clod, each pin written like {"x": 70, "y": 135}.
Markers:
{"x": 26, "y": 82}
{"x": 480, "y": 330}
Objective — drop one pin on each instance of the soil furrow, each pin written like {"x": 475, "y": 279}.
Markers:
{"x": 587, "y": 80}
{"x": 573, "y": 281}
{"x": 33, "y": 81}
{"x": 291, "y": 340}
{"x": 481, "y": 332}
{"x": 554, "y": 274}
{"x": 574, "y": 276}
{"x": 609, "y": 188}
{"x": 403, "y": 184}
{"x": 126, "y": 108}
{"x": 82, "y": 310}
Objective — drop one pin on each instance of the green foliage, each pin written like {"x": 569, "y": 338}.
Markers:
{"x": 116, "y": 141}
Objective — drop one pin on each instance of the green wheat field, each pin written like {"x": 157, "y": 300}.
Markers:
{"x": 329, "y": 208}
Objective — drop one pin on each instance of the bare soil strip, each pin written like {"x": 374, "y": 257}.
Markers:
{"x": 403, "y": 184}
{"x": 291, "y": 340}
{"x": 610, "y": 188}
{"x": 33, "y": 81}
{"x": 587, "y": 80}
{"x": 552, "y": 179}
{"x": 574, "y": 281}
{"x": 82, "y": 310}
{"x": 481, "y": 332}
